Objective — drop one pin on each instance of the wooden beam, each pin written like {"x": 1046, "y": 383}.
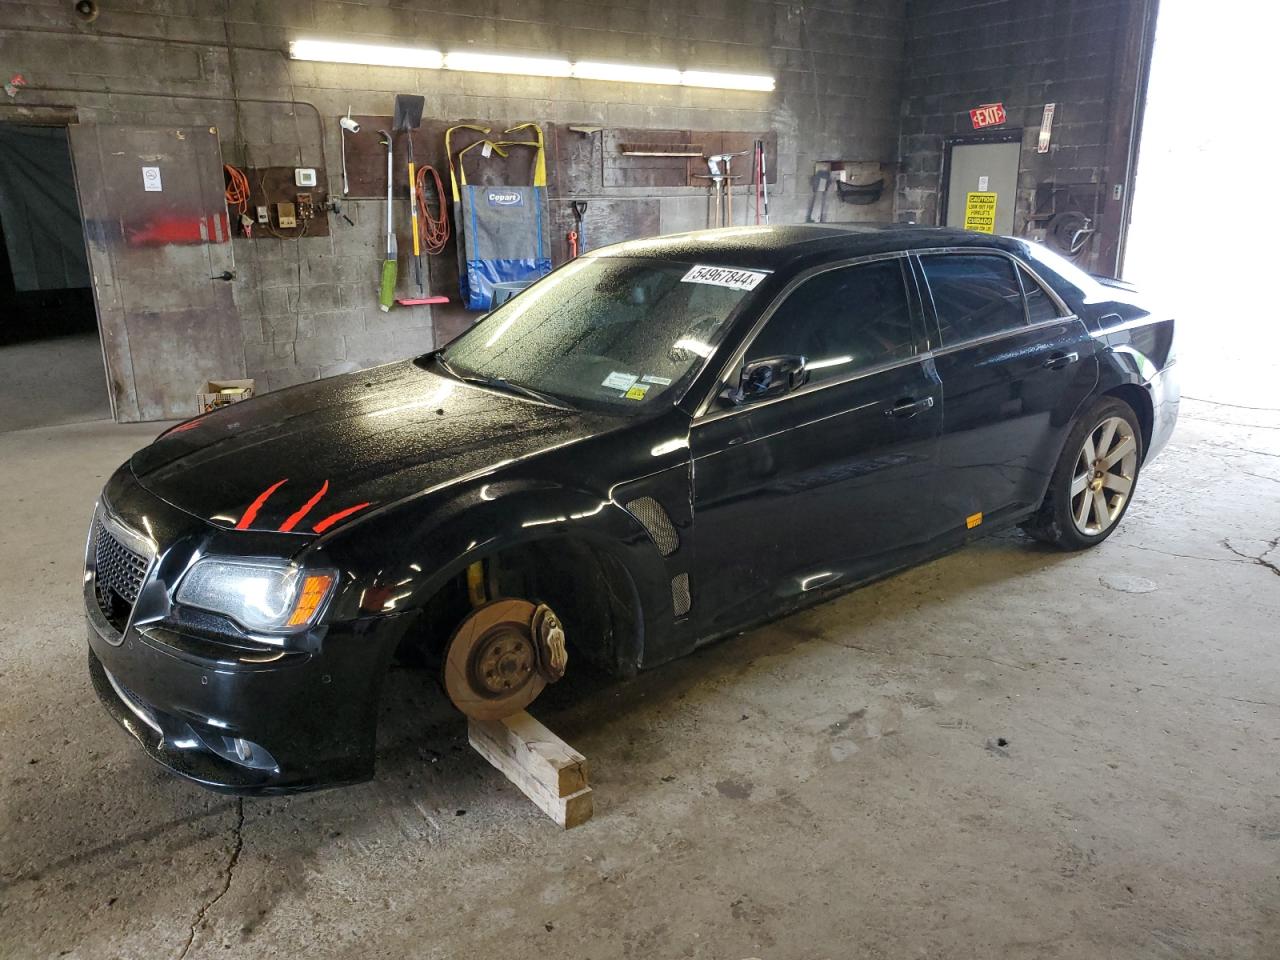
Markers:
{"x": 545, "y": 768}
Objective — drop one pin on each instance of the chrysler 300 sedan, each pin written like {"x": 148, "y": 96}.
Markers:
{"x": 661, "y": 443}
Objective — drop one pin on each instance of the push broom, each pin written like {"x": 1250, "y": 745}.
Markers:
{"x": 387, "y": 289}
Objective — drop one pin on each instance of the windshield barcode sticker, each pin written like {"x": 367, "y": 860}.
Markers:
{"x": 724, "y": 277}
{"x": 619, "y": 381}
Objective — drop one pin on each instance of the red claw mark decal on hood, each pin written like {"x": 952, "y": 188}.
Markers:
{"x": 183, "y": 427}
{"x": 333, "y": 518}
{"x": 304, "y": 509}
{"x": 251, "y": 514}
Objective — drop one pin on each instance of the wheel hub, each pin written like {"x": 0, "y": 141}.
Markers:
{"x": 503, "y": 661}
{"x": 501, "y": 657}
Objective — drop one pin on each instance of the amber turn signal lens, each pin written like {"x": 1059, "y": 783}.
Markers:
{"x": 314, "y": 589}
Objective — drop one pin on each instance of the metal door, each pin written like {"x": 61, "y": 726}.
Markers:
{"x": 159, "y": 244}
{"x": 984, "y": 168}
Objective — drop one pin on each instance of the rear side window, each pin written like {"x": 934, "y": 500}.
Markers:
{"x": 975, "y": 295}
{"x": 842, "y": 321}
{"x": 1040, "y": 305}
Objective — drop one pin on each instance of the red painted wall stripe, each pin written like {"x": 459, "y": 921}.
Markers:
{"x": 252, "y": 513}
{"x": 304, "y": 509}
{"x": 333, "y": 518}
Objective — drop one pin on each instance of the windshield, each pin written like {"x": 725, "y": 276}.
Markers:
{"x": 619, "y": 333}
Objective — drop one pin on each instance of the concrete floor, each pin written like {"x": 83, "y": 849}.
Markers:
{"x": 1010, "y": 752}
{"x": 47, "y": 382}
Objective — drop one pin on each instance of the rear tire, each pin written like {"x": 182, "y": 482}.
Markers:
{"x": 1093, "y": 482}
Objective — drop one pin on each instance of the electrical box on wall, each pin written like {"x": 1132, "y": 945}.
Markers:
{"x": 305, "y": 208}
{"x": 304, "y": 176}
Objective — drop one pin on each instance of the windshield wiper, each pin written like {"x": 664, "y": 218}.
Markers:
{"x": 504, "y": 384}
{"x": 501, "y": 383}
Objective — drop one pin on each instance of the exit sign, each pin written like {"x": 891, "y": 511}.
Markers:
{"x": 988, "y": 115}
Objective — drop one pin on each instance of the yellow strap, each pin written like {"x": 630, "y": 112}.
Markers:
{"x": 462, "y": 171}
{"x": 448, "y": 152}
{"x": 540, "y": 160}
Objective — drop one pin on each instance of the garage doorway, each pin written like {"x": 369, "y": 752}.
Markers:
{"x": 51, "y": 363}
{"x": 982, "y": 164}
{"x": 1201, "y": 236}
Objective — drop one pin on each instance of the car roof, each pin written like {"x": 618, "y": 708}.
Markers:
{"x": 776, "y": 246}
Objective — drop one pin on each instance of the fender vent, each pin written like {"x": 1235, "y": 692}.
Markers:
{"x": 681, "y": 600}
{"x": 656, "y": 523}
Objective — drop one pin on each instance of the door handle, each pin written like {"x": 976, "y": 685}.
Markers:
{"x": 1059, "y": 360}
{"x": 909, "y": 407}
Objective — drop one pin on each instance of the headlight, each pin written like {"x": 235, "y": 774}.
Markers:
{"x": 261, "y": 596}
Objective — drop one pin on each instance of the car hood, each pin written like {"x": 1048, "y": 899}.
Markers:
{"x": 306, "y": 459}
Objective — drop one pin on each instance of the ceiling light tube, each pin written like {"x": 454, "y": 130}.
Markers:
{"x": 625, "y": 73}
{"x": 499, "y": 63}
{"x": 726, "y": 81}
{"x": 378, "y": 55}
{"x": 333, "y": 51}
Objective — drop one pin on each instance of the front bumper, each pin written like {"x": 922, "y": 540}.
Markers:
{"x": 231, "y": 714}
{"x": 248, "y": 723}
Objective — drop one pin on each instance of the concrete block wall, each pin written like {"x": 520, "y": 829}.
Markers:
{"x": 1024, "y": 53}
{"x": 308, "y": 308}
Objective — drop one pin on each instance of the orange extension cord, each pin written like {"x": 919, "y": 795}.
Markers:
{"x": 435, "y": 229}
{"x": 237, "y": 189}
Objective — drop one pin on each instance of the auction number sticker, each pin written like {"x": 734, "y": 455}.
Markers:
{"x": 619, "y": 381}
{"x": 724, "y": 277}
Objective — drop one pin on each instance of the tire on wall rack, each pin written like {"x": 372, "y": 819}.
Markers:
{"x": 1093, "y": 481}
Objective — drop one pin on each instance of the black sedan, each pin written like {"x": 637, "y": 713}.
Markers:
{"x": 661, "y": 443}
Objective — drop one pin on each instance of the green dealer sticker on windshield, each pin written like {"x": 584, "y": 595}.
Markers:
{"x": 724, "y": 277}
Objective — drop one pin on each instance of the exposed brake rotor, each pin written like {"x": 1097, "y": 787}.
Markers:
{"x": 502, "y": 656}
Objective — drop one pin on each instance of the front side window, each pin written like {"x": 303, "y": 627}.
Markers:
{"x": 975, "y": 295}
{"x": 842, "y": 321}
{"x": 613, "y": 333}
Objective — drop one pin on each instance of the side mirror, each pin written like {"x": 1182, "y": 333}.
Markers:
{"x": 767, "y": 377}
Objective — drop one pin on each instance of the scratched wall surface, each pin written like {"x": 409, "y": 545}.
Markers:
{"x": 307, "y": 308}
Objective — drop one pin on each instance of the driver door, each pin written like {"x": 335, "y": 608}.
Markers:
{"x": 831, "y": 482}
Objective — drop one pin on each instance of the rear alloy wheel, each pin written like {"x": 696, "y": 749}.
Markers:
{"x": 1105, "y": 470}
{"x": 1093, "y": 481}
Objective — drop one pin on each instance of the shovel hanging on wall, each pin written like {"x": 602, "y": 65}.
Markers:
{"x": 407, "y": 118}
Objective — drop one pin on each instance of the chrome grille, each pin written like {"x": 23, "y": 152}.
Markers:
{"x": 656, "y": 523}
{"x": 116, "y": 567}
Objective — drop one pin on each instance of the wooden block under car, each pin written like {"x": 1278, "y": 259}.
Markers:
{"x": 546, "y": 769}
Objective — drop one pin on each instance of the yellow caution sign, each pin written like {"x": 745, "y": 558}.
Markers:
{"x": 980, "y": 212}
{"x": 972, "y": 520}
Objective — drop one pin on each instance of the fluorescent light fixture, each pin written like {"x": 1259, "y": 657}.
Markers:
{"x": 726, "y": 81}
{"x": 332, "y": 51}
{"x": 498, "y": 63}
{"x": 625, "y": 73}
{"x": 376, "y": 55}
